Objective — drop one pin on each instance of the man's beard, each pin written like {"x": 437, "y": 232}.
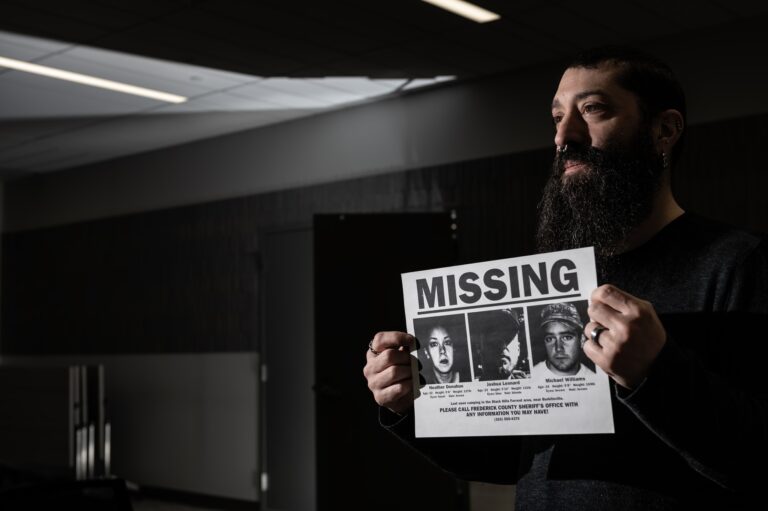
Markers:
{"x": 601, "y": 204}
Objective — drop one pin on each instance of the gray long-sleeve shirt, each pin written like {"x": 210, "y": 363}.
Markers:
{"x": 687, "y": 435}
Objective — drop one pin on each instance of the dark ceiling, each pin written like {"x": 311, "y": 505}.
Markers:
{"x": 389, "y": 38}
{"x": 46, "y": 126}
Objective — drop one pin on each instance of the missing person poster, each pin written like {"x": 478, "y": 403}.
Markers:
{"x": 500, "y": 348}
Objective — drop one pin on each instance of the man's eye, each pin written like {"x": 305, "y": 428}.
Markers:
{"x": 593, "y": 107}
{"x": 556, "y": 119}
{"x": 569, "y": 337}
{"x": 549, "y": 339}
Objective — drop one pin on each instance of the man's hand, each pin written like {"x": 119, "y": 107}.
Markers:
{"x": 633, "y": 339}
{"x": 389, "y": 372}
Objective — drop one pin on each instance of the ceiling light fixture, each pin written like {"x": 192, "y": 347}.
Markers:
{"x": 52, "y": 72}
{"x": 465, "y": 9}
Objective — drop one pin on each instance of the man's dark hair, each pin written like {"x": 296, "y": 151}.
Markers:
{"x": 650, "y": 79}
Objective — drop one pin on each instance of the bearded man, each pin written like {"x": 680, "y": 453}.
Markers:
{"x": 668, "y": 324}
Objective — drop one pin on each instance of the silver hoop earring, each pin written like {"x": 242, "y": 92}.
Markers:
{"x": 664, "y": 160}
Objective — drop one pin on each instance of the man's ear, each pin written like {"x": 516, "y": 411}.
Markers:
{"x": 667, "y": 130}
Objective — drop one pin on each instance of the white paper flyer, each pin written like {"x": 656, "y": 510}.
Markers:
{"x": 500, "y": 347}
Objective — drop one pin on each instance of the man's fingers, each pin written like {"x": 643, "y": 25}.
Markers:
{"x": 389, "y": 357}
{"x": 388, "y": 370}
{"x": 393, "y": 388}
{"x": 603, "y": 314}
{"x": 614, "y": 297}
{"x": 389, "y": 376}
{"x": 389, "y": 340}
{"x": 595, "y": 351}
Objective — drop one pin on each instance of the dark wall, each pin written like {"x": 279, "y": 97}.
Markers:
{"x": 184, "y": 279}
{"x": 723, "y": 173}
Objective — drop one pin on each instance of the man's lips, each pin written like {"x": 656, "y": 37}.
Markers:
{"x": 572, "y": 166}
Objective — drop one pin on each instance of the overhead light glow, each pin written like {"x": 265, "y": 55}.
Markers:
{"x": 466, "y": 9}
{"x": 52, "y": 72}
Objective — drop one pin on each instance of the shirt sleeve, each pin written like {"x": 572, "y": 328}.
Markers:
{"x": 705, "y": 395}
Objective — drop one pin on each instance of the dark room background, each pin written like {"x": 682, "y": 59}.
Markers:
{"x": 202, "y": 278}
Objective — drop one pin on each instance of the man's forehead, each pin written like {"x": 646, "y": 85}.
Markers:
{"x": 555, "y": 326}
{"x": 580, "y": 82}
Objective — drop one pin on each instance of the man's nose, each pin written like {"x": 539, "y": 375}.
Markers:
{"x": 559, "y": 345}
{"x": 572, "y": 129}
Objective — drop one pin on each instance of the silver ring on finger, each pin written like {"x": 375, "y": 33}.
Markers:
{"x": 595, "y": 333}
{"x": 370, "y": 348}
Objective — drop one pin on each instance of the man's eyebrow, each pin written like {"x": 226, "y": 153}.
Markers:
{"x": 580, "y": 96}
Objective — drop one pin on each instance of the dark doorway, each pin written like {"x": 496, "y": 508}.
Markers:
{"x": 358, "y": 262}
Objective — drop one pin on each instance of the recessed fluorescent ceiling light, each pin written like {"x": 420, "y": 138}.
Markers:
{"x": 51, "y": 72}
{"x": 465, "y": 9}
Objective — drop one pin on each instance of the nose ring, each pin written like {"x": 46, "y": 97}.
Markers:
{"x": 562, "y": 148}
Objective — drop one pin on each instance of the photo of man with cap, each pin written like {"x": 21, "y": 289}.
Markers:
{"x": 562, "y": 336}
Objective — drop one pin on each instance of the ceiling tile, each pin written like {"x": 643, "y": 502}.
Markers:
{"x": 31, "y": 17}
{"x": 560, "y": 28}
{"x": 453, "y": 56}
{"x": 217, "y": 102}
{"x": 682, "y": 15}
{"x": 743, "y": 7}
{"x": 360, "y": 86}
{"x": 263, "y": 24}
{"x": 426, "y": 17}
{"x": 242, "y": 37}
{"x": 508, "y": 41}
{"x": 144, "y": 72}
{"x": 27, "y": 48}
{"x": 269, "y": 91}
{"x": 146, "y": 9}
{"x": 315, "y": 90}
{"x": 25, "y": 96}
{"x": 627, "y": 22}
{"x": 87, "y": 12}
{"x": 172, "y": 43}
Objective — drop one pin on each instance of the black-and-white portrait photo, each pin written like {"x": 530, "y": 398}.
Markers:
{"x": 499, "y": 348}
{"x": 443, "y": 350}
{"x": 558, "y": 336}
